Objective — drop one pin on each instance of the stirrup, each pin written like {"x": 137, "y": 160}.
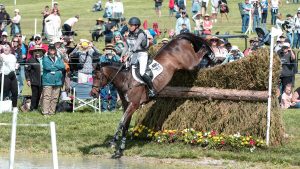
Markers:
{"x": 151, "y": 93}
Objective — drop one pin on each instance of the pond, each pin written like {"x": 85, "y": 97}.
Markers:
{"x": 44, "y": 161}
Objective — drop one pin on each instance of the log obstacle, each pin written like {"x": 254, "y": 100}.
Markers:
{"x": 214, "y": 93}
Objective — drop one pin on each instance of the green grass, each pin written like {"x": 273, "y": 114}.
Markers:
{"x": 88, "y": 133}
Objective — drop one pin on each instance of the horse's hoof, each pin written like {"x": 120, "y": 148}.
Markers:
{"x": 118, "y": 154}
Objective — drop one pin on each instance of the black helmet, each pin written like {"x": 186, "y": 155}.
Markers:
{"x": 134, "y": 21}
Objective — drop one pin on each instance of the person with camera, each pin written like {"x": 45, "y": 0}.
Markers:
{"x": 254, "y": 45}
{"x": 296, "y": 40}
{"x": 289, "y": 26}
{"x": 256, "y": 14}
{"x": 87, "y": 54}
{"x": 287, "y": 58}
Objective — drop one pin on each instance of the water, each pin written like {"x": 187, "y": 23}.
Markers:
{"x": 44, "y": 161}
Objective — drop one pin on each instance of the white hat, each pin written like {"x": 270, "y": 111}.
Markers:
{"x": 17, "y": 10}
{"x": 37, "y": 35}
{"x": 234, "y": 48}
{"x": 56, "y": 40}
{"x": 286, "y": 44}
{"x": 4, "y": 34}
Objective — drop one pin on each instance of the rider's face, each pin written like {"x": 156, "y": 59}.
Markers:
{"x": 132, "y": 27}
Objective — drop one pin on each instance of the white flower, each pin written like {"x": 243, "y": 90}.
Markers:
{"x": 237, "y": 135}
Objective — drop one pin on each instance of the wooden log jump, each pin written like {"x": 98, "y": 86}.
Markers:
{"x": 214, "y": 93}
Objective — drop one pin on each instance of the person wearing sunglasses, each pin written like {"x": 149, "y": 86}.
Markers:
{"x": 37, "y": 41}
{"x": 182, "y": 20}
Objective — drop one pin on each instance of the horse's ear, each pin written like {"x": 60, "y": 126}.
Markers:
{"x": 97, "y": 66}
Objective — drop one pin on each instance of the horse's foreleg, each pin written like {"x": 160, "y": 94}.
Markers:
{"x": 125, "y": 121}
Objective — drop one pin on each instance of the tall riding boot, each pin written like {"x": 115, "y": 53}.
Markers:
{"x": 148, "y": 80}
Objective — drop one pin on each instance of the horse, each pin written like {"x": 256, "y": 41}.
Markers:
{"x": 183, "y": 52}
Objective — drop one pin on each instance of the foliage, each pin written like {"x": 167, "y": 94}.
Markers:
{"x": 211, "y": 139}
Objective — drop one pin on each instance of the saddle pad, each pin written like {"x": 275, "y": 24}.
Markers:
{"x": 155, "y": 68}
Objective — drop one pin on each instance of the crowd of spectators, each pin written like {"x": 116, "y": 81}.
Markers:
{"x": 50, "y": 60}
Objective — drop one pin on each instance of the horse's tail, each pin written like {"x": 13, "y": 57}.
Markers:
{"x": 197, "y": 41}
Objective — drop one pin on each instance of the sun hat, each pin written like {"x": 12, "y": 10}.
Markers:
{"x": 234, "y": 48}
{"x": 51, "y": 46}
{"x": 4, "y": 33}
{"x": 109, "y": 47}
{"x": 17, "y": 10}
{"x": 37, "y": 48}
{"x": 100, "y": 19}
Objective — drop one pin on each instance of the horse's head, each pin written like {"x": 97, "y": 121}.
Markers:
{"x": 100, "y": 79}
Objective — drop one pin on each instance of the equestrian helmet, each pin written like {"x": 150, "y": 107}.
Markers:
{"x": 134, "y": 21}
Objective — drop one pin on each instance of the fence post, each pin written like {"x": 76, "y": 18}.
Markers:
{"x": 54, "y": 146}
{"x": 13, "y": 140}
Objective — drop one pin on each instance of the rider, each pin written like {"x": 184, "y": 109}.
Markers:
{"x": 137, "y": 44}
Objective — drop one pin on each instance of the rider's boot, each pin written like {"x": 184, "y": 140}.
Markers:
{"x": 148, "y": 80}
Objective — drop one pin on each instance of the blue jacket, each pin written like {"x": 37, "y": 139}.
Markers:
{"x": 104, "y": 59}
{"x": 52, "y": 71}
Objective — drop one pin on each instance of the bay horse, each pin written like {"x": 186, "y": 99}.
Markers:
{"x": 184, "y": 52}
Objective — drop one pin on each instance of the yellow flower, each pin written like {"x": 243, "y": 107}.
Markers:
{"x": 247, "y": 138}
{"x": 136, "y": 134}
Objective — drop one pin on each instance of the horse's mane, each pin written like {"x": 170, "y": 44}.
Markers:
{"x": 197, "y": 42}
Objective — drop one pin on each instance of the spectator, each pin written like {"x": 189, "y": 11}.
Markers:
{"x": 118, "y": 43}
{"x": 286, "y": 97}
{"x": 97, "y": 6}
{"x": 17, "y": 51}
{"x": 37, "y": 41}
{"x": 181, "y": 4}
{"x": 279, "y": 43}
{"x": 171, "y": 7}
{"x": 214, "y": 10}
{"x": 53, "y": 67}
{"x": 184, "y": 29}
{"x": 108, "y": 9}
{"x": 33, "y": 75}
{"x": 204, "y": 6}
{"x": 123, "y": 26}
{"x": 289, "y": 26}
{"x": 296, "y": 41}
{"x": 296, "y": 98}
{"x": 110, "y": 28}
{"x": 198, "y": 24}
{"x": 233, "y": 55}
{"x": 287, "y": 58}
{"x": 157, "y": 5}
{"x": 56, "y": 8}
{"x": 224, "y": 9}
{"x": 256, "y": 14}
{"x": 68, "y": 26}
{"x": 219, "y": 52}
{"x": 279, "y": 21}
{"x": 264, "y": 13}
{"x": 86, "y": 53}
{"x": 182, "y": 20}
{"x": 53, "y": 25}
{"x": 207, "y": 25}
{"x": 118, "y": 9}
{"x": 4, "y": 39}
{"x": 196, "y": 6}
{"x": 253, "y": 46}
{"x": 274, "y": 10}
{"x": 16, "y": 26}
{"x": 98, "y": 29}
{"x": 8, "y": 65}
{"x": 45, "y": 13}
{"x": 109, "y": 93}
{"x": 4, "y": 19}
{"x": 246, "y": 9}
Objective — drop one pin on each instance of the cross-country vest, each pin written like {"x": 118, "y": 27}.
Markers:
{"x": 132, "y": 39}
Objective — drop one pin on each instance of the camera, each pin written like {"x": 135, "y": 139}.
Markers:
{"x": 286, "y": 25}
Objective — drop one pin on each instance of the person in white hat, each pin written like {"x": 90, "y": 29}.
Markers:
{"x": 4, "y": 38}
{"x": 16, "y": 27}
{"x": 233, "y": 55}
{"x": 287, "y": 58}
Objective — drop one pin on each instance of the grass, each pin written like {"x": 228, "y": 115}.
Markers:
{"x": 87, "y": 133}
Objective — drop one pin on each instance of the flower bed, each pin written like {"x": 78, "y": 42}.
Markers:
{"x": 210, "y": 139}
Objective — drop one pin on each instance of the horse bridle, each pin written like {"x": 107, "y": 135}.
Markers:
{"x": 112, "y": 79}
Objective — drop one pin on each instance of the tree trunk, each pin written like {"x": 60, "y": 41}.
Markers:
{"x": 213, "y": 93}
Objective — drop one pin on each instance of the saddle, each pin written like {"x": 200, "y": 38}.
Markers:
{"x": 153, "y": 70}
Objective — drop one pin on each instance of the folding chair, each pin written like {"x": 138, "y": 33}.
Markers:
{"x": 82, "y": 98}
